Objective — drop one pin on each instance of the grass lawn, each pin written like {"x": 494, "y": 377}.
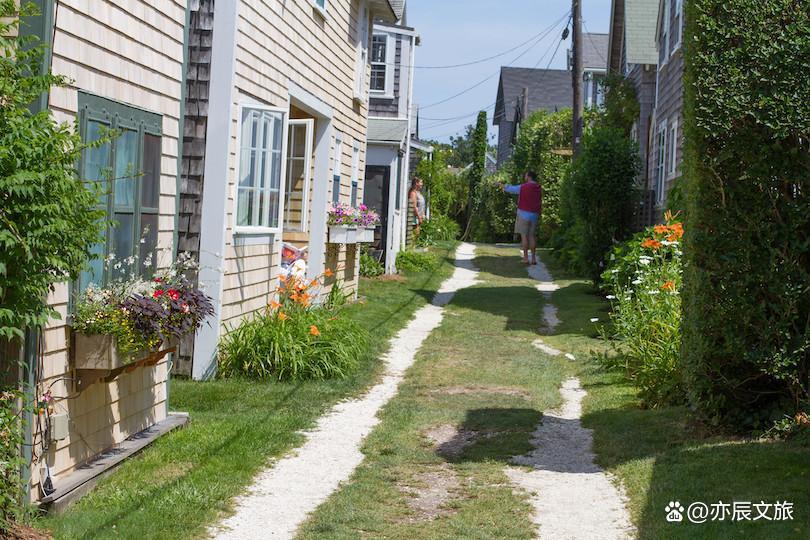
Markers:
{"x": 185, "y": 481}
{"x": 662, "y": 455}
{"x": 478, "y": 372}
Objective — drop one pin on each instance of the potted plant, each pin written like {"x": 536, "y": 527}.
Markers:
{"x": 369, "y": 220}
{"x": 136, "y": 319}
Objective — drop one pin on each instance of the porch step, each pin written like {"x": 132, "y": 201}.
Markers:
{"x": 80, "y": 482}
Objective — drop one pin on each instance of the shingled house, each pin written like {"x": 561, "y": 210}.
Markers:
{"x": 522, "y": 91}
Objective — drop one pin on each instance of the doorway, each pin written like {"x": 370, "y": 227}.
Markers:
{"x": 375, "y": 196}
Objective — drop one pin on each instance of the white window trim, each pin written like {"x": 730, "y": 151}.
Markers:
{"x": 362, "y": 61}
{"x": 665, "y": 33}
{"x": 320, "y": 10}
{"x": 250, "y": 230}
{"x": 337, "y": 164}
{"x": 390, "y": 57}
{"x": 672, "y": 166}
{"x": 310, "y": 132}
{"x": 661, "y": 161}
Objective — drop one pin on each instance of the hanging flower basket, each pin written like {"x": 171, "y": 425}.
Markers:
{"x": 348, "y": 225}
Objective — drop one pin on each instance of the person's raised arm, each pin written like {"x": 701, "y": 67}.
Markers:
{"x": 512, "y": 189}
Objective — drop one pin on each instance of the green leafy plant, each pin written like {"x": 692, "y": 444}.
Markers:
{"x": 643, "y": 282}
{"x": 477, "y": 169}
{"x": 294, "y": 339}
{"x": 49, "y": 220}
{"x": 746, "y": 338}
{"x": 369, "y": 266}
{"x": 438, "y": 228}
{"x": 415, "y": 261}
{"x": 10, "y": 460}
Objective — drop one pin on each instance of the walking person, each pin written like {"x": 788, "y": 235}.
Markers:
{"x": 529, "y": 209}
{"x": 416, "y": 201}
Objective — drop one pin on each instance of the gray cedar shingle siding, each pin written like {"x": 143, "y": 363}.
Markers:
{"x": 194, "y": 130}
{"x": 669, "y": 103}
{"x": 639, "y": 31}
{"x": 594, "y": 51}
{"x": 549, "y": 89}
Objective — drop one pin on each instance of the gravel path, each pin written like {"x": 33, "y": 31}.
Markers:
{"x": 573, "y": 498}
{"x": 283, "y": 495}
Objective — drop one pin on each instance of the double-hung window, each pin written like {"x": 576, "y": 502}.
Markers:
{"x": 673, "y": 149}
{"x": 337, "y": 161}
{"x": 663, "y": 44}
{"x": 320, "y": 6}
{"x": 382, "y": 64}
{"x": 125, "y": 160}
{"x": 678, "y": 23}
{"x": 661, "y": 161}
{"x": 298, "y": 173}
{"x": 259, "y": 190}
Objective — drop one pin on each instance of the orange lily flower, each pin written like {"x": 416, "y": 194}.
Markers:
{"x": 328, "y": 272}
{"x": 282, "y": 316}
{"x": 651, "y": 243}
{"x": 668, "y": 286}
{"x": 314, "y": 330}
{"x": 274, "y": 305}
{"x": 677, "y": 229}
{"x": 661, "y": 229}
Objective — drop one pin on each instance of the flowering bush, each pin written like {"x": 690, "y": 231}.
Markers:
{"x": 348, "y": 216}
{"x": 143, "y": 314}
{"x": 294, "y": 339}
{"x": 643, "y": 280}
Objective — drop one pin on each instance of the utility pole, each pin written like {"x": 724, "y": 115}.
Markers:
{"x": 577, "y": 71}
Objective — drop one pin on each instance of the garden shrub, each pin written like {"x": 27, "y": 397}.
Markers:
{"x": 438, "y": 228}
{"x": 643, "y": 280}
{"x": 604, "y": 193}
{"x": 10, "y": 460}
{"x": 369, "y": 266}
{"x": 538, "y": 148}
{"x": 746, "y": 298}
{"x": 414, "y": 261}
{"x": 295, "y": 340}
{"x": 495, "y": 215}
{"x": 49, "y": 220}
{"x": 446, "y": 191}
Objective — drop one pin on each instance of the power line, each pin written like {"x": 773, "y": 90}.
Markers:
{"x": 476, "y": 85}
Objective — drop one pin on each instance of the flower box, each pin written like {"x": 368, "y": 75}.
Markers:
{"x": 340, "y": 234}
{"x": 96, "y": 357}
{"x": 365, "y": 235}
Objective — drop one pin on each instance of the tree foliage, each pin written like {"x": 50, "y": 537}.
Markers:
{"x": 746, "y": 346}
{"x": 621, "y": 104}
{"x": 48, "y": 217}
{"x": 477, "y": 169}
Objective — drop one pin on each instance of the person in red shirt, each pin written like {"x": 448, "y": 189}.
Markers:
{"x": 529, "y": 209}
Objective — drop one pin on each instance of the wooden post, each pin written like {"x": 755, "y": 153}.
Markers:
{"x": 577, "y": 73}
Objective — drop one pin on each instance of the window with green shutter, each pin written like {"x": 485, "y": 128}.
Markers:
{"x": 127, "y": 164}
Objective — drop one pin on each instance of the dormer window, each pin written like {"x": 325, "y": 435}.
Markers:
{"x": 382, "y": 65}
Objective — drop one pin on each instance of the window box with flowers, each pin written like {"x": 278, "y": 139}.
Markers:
{"x": 349, "y": 225}
{"x": 134, "y": 323}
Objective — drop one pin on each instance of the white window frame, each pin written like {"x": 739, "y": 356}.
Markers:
{"x": 390, "y": 57}
{"x": 251, "y": 229}
{"x": 310, "y": 130}
{"x": 634, "y": 131}
{"x": 679, "y": 30}
{"x": 672, "y": 164}
{"x": 337, "y": 165}
{"x": 321, "y": 10}
{"x": 661, "y": 163}
{"x": 363, "y": 38}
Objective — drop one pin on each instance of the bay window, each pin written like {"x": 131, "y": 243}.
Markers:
{"x": 259, "y": 191}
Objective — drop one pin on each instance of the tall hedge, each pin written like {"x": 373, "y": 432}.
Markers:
{"x": 746, "y": 299}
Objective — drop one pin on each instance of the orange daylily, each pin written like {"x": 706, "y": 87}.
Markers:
{"x": 677, "y": 230}
{"x": 314, "y": 330}
{"x": 651, "y": 243}
{"x": 282, "y": 278}
{"x": 668, "y": 286}
{"x": 274, "y": 305}
{"x": 313, "y": 283}
{"x": 328, "y": 272}
{"x": 282, "y": 316}
{"x": 661, "y": 229}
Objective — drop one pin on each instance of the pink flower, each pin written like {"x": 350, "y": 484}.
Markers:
{"x": 184, "y": 308}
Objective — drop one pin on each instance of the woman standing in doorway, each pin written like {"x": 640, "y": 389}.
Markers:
{"x": 416, "y": 201}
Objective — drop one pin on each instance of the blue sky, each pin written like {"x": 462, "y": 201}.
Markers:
{"x": 458, "y": 31}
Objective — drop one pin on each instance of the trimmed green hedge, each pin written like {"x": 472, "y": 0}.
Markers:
{"x": 746, "y": 301}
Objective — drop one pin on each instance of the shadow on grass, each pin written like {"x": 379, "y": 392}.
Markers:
{"x": 491, "y": 435}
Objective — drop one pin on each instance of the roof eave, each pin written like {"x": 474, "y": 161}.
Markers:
{"x": 383, "y": 10}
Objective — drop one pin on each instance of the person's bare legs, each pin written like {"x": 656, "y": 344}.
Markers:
{"x": 533, "y": 247}
{"x": 524, "y": 242}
